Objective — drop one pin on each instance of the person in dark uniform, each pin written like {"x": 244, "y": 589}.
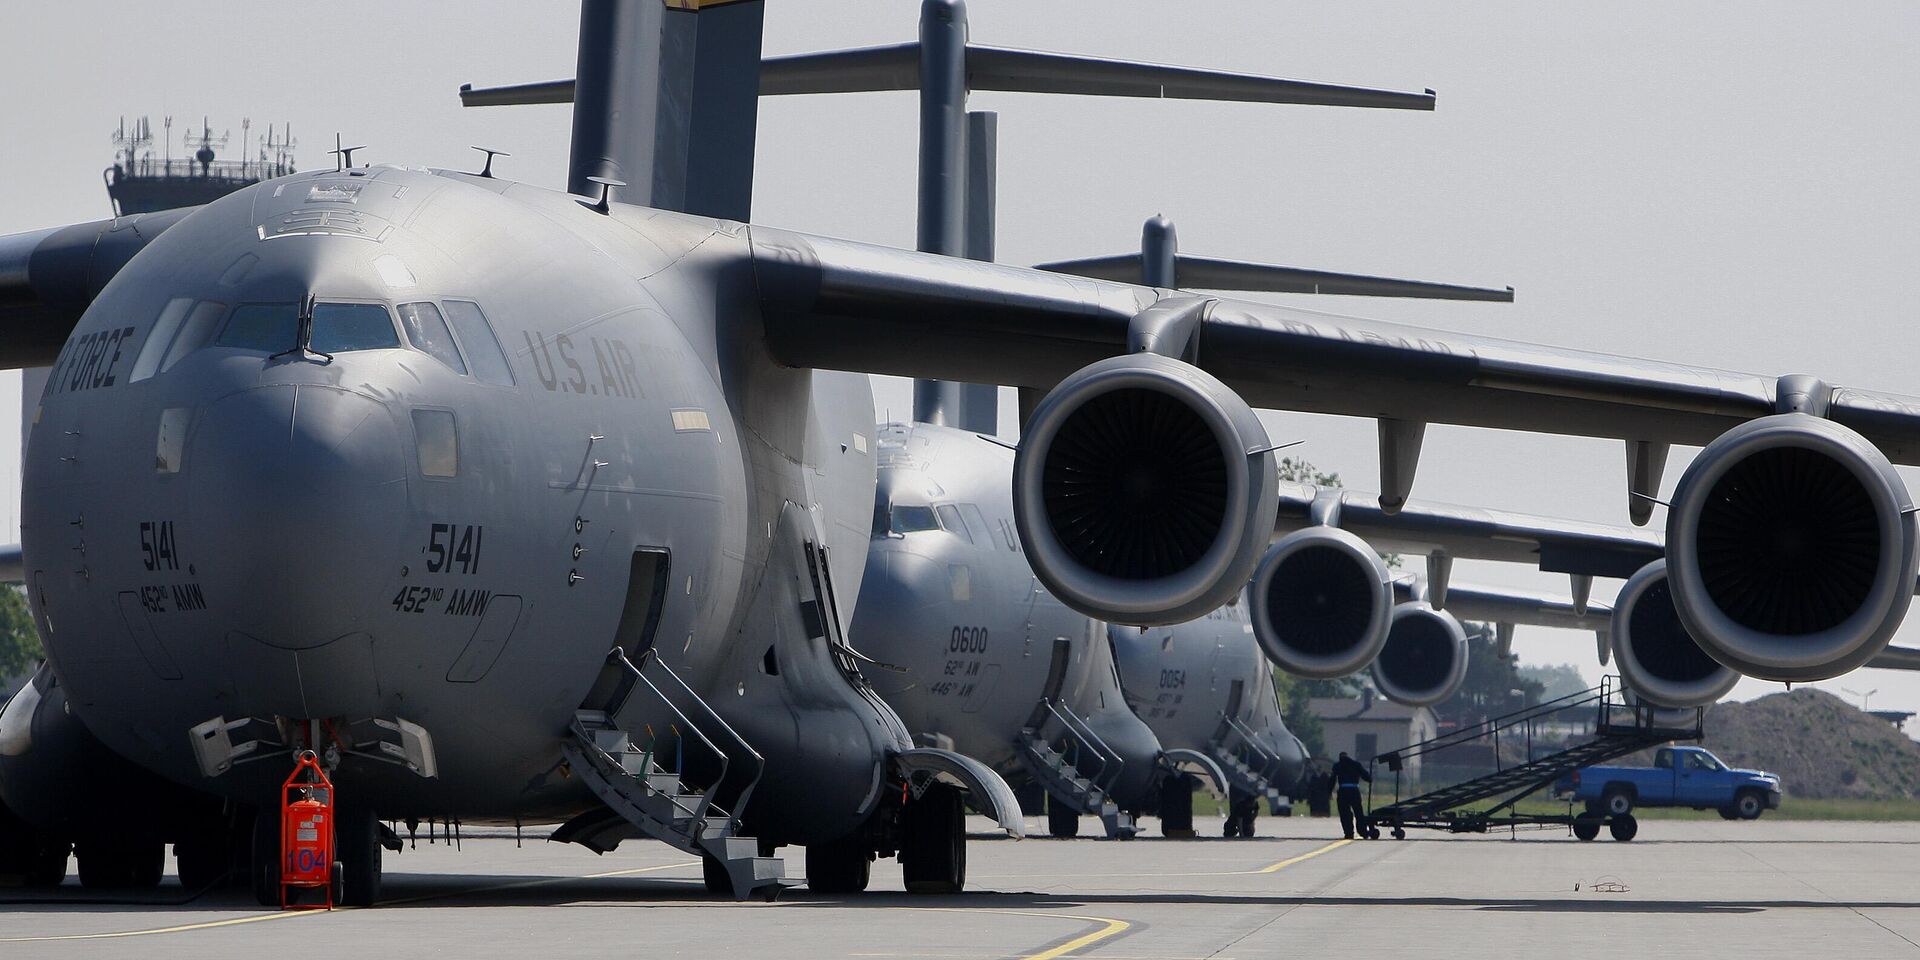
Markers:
{"x": 1320, "y": 788}
{"x": 1347, "y": 775}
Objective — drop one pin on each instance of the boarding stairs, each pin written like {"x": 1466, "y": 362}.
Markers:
{"x": 1250, "y": 765}
{"x": 1064, "y": 778}
{"x": 1622, "y": 725}
{"x": 645, "y": 798}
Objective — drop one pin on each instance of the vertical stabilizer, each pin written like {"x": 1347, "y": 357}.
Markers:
{"x": 666, "y": 99}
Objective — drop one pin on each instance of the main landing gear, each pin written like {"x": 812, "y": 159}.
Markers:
{"x": 929, "y": 837}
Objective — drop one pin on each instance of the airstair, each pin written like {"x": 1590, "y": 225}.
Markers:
{"x": 1621, "y": 725}
{"x": 1062, "y": 770}
{"x": 645, "y": 798}
{"x": 1250, "y": 764}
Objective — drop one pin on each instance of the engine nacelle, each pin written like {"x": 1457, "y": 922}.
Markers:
{"x": 1425, "y": 657}
{"x": 1652, "y": 650}
{"x": 1137, "y": 498}
{"x": 1321, "y": 603}
{"x": 1790, "y": 549}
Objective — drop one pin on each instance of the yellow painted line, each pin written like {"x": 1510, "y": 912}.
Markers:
{"x": 291, "y": 914}
{"x": 1078, "y": 943}
{"x": 1309, "y": 855}
{"x": 1110, "y": 927}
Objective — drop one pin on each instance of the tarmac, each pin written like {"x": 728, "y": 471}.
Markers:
{"x": 1682, "y": 889}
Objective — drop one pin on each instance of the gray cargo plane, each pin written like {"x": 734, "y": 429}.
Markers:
{"x": 489, "y": 492}
{"x": 989, "y": 663}
{"x": 495, "y": 497}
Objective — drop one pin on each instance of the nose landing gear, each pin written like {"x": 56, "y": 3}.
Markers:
{"x": 310, "y": 840}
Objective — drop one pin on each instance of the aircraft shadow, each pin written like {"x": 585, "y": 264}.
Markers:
{"x": 466, "y": 891}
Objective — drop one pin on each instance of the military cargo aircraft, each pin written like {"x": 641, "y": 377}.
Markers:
{"x": 476, "y": 488}
{"x": 989, "y": 664}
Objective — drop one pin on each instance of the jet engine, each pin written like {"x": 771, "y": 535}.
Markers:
{"x": 1652, "y": 650}
{"x": 1425, "y": 657}
{"x": 1790, "y": 549}
{"x": 1144, "y": 491}
{"x": 1322, "y": 602}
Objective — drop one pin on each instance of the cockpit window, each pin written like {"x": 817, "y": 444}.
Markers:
{"x": 340, "y": 327}
{"x": 271, "y": 327}
{"x": 159, "y": 338}
{"x": 476, "y": 336}
{"x": 182, "y": 328}
{"x": 950, "y": 518}
{"x": 898, "y": 519}
{"x": 195, "y": 333}
{"x": 428, "y": 331}
{"x": 913, "y": 519}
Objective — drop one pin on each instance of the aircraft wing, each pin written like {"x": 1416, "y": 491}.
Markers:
{"x": 48, "y": 277}
{"x": 844, "y": 305}
{"x": 1500, "y": 605}
{"x": 1506, "y": 607}
{"x": 1426, "y": 528}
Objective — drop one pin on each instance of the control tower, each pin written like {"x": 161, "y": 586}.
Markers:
{"x": 139, "y": 182}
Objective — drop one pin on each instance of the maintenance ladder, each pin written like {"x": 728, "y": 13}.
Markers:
{"x": 1622, "y": 725}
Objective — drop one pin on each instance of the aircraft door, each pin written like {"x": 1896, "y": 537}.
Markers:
{"x": 647, "y": 577}
{"x": 1056, "y": 676}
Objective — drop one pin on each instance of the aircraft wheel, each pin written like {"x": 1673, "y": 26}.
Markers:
{"x": 356, "y": 842}
{"x": 1623, "y": 827}
{"x": 1062, "y": 821}
{"x": 1586, "y": 828}
{"x": 843, "y": 866}
{"x": 203, "y": 857}
{"x": 25, "y": 852}
{"x": 119, "y": 864}
{"x": 1176, "y": 807}
{"x": 1399, "y": 833}
{"x": 933, "y": 845}
{"x": 47, "y": 865}
{"x": 264, "y": 864}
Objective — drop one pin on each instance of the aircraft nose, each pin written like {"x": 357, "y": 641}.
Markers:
{"x": 299, "y": 494}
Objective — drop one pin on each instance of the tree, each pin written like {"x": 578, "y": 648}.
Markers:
{"x": 1296, "y": 708}
{"x": 1493, "y": 685}
{"x": 20, "y": 649}
{"x": 1302, "y": 470}
{"x": 1555, "y": 680}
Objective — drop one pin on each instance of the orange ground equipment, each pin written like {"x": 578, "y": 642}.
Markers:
{"x": 306, "y": 836}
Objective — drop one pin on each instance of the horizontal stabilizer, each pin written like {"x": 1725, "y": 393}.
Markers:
{"x": 897, "y": 67}
{"x": 546, "y": 91}
{"x": 1207, "y": 273}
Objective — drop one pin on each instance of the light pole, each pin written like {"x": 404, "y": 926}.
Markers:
{"x": 1863, "y": 696}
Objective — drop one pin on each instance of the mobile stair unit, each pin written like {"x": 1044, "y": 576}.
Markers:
{"x": 1061, "y": 769}
{"x": 1251, "y": 765}
{"x": 645, "y": 798}
{"x": 1621, "y": 725}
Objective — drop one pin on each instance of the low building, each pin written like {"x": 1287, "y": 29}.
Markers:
{"x": 1369, "y": 726}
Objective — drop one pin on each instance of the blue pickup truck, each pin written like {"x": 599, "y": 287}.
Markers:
{"x": 1680, "y": 777}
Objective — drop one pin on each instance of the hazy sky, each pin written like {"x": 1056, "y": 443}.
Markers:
{"x": 1728, "y": 184}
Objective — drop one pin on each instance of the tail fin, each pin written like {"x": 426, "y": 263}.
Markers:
{"x": 666, "y": 99}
